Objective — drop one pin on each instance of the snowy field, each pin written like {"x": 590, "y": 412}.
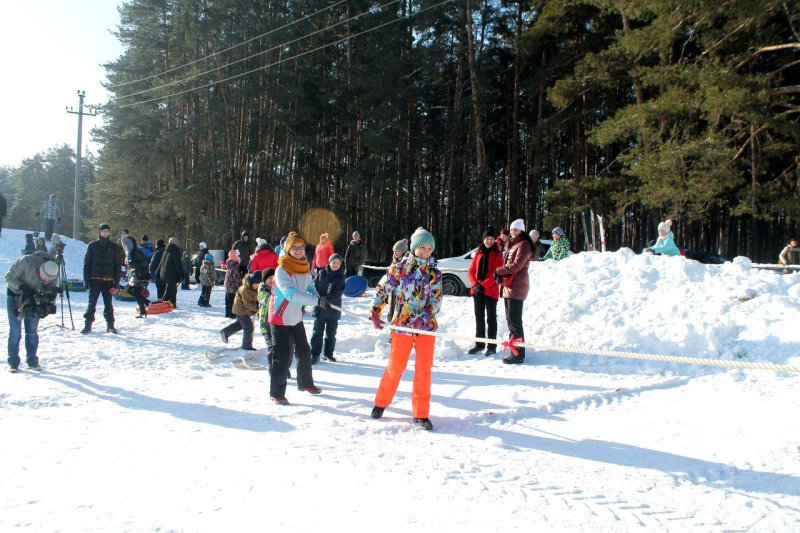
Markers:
{"x": 141, "y": 432}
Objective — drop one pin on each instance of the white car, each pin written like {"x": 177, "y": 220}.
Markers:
{"x": 454, "y": 271}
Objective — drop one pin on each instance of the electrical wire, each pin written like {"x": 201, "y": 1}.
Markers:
{"x": 282, "y": 60}
{"x": 173, "y": 69}
{"x": 276, "y": 47}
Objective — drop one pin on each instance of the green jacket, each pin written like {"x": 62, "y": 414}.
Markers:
{"x": 559, "y": 249}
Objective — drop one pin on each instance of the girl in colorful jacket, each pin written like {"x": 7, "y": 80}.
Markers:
{"x": 208, "y": 276}
{"x": 417, "y": 285}
{"x": 293, "y": 289}
{"x": 485, "y": 290}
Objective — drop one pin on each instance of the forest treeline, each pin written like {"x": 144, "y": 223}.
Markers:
{"x": 453, "y": 115}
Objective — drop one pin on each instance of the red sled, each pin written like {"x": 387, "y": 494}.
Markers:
{"x": 156, "y": 308}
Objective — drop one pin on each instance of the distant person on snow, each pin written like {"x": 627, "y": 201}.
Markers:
{"x": 245, "y": 305}
{"x": 665, "y": 244}
{"x": 330, "y": 284}
{"x": 418, "y": 285}
{"x": 322, "y": 253}
{"x": 170, "y": 270}
{"x": 790, "y": 255}
{"x": 485, "y": 290}
{"x": 51, "y": 213}
{"x": 31, "y": 288}
{"x": 263, "y": 258}
{"x": 537, "y": 246}
{"x": 202, "y": 250}
{"x": 559, "y": 248}
{"x": 186, "y": 263}
{"x": 102, "y": 269}
{"x": 146, "y": 247}
{"x": 233, "y": 278}
{"x": 355, "y": 255}
{"x": 514, "y": 284}
{"x": 246, "y": 249}
{"x": 155, "y": 261}
{"x": 208, "y": 276}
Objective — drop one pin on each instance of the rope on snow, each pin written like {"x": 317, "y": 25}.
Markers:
{"x": 589, "y": 351}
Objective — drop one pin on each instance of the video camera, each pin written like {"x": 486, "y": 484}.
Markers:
{"x": 41, "y": 303}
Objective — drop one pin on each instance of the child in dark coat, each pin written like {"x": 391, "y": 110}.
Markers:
{"x": 186, "y": 263}
{"x": 330, "y": 284}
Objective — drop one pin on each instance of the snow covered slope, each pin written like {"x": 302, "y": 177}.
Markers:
{"x": 141, "y": 432}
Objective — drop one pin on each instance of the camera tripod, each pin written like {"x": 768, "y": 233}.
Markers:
{"x": 63, "y": 282}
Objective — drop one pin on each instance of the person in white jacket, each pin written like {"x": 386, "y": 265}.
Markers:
{"x": 293, "y": 289}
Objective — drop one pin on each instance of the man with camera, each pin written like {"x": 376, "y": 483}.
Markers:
{"x": 102, "y": 269}
{"x": 32, "y": 285}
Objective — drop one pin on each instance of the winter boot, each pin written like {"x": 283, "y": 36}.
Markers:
{"x": 13, "y": 369}
{"x": 314, "y": 359}
{"x": 35, "y": 367}
{"x": 312, "y": 390}
{"x": 475, "y": 349}
{"x": 491, "y": 350}
{"x": 423, "y": 423}
{"x": 514, "y": 359}
{"x": 280, "y": 401}
{"x": 222, "y": 336}
{"x": 87, "y": 328}
{"x": 111, "y": 329}
{"x": 330, "y": 358}
{"x": 377, "y": 412}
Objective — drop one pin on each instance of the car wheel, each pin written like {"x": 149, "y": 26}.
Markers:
{"x": 451, "y": 285}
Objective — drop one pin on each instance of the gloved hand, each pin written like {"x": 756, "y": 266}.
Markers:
{"x": 477, "y": 289}
{"x": 498, "y": 278}
{"x": 377, "y": 323}
{"x": 417, "y": 323}
{"x": 323, "y": 303}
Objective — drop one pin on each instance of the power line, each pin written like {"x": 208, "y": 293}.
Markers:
{"x": 230, "y": 47}
{"x": 176, "y": 82}
{"x": 285, "y": 59}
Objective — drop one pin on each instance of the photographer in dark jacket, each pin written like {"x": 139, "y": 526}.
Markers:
{"x": 170, "y": 270}
{"x": 155, "y": 261}
{"x": 102, "y": 268}
{"x": 32, "y": 285}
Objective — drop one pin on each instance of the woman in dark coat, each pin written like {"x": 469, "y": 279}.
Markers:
{"x": 155, "y": 262}
{"x": 170, "y": 270}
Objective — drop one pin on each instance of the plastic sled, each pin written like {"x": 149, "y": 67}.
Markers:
{"x": 124, "y": 296}
{"x": 156, "y": 308}
{"x": 355, "y": 286}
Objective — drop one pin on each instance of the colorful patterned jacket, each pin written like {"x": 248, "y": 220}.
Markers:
{"x": 558, "y": 250}
{"x": 233, "y": 276}
{"x": 207, "y": 274}
{"x": 417, "y": 287}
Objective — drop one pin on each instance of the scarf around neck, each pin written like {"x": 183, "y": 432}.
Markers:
{"x": 294, "y": 266}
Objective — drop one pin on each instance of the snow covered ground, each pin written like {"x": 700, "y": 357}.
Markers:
{"x": 141, "y": 432}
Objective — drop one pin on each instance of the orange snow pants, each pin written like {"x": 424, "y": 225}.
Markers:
{"x": 398, "y": 360}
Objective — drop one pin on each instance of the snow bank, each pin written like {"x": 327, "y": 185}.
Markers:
{"x": 655, "y": 304}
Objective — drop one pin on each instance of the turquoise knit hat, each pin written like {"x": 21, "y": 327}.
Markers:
{"x": 422, "y": 236}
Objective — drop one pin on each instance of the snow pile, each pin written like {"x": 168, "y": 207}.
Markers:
{"x": 655, "y": 304}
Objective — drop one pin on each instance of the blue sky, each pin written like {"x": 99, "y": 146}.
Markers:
{"x": 48, "y": 50}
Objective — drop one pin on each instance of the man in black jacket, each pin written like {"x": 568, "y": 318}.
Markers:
{"x": 170, "y": 270}
{"x": 155, "y": 262}
{"x": 102, "y": 268}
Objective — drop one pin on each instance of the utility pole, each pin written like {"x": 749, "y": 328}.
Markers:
{"x": 76, "y": 213}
